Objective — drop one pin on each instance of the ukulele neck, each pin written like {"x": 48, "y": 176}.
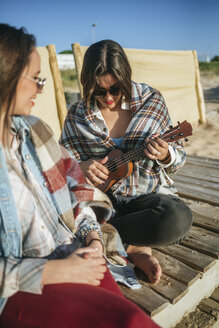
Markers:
{"x": 182, "y": 130}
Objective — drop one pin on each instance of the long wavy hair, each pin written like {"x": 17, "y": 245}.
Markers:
{"x": 16, "y": 46}
{"x": 104, "y": 57}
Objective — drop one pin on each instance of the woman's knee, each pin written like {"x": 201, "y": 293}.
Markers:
{"x": 176, "y": 221}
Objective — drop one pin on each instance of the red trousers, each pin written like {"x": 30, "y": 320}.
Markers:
{"x": 76, "y": 306}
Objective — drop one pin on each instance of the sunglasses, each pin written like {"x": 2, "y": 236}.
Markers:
{"x": 114, "y": 91}
{"x": 39, "y": 82}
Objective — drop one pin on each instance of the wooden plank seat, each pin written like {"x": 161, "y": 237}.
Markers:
{"x": 150, "y": 301}
{"x": 190, "y": 271}
{"x": 194, "y": 259}
{"x": 205, "y": 218}
{"x": 176, "y": 269}
{"x": 199, "y": 179}
{"x": 203, "y": 240}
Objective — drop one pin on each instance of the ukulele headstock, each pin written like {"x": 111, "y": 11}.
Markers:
{"x": 180, "y": 131}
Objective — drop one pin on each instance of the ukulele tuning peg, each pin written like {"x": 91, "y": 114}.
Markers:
{"x": 186, "y": 139}
{"x": 171, "y": 126}
{"x": 178, "y": 122}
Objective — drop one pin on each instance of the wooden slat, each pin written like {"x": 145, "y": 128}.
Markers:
{"x": 212, "y": 163}
{"x": 194, "y": 189}
{"x": 170, "y": 288}
{"x": 201, "y": 171}
{"x": 197, "y": 319}
{"x": 199, "y": 182}
{"x": 57, "y": 80}
{"x": 205, "y": 215}
{"x": 210, "y": 306}
{"x": 176, "y": 269}
{"x": 193, "y": 258}
{"x": 206, "y": 222}
{"x": 151, "y": 302}
{"x": 205, "y": 209}
{"x": 215, "y": 295}
{"x": 167, "y": 287}
{"x": 203, "y": 240}
{"x": 199, "y": 179}
{"x": 76, "y": 49}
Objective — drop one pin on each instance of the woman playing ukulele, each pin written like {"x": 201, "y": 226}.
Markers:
{"x": 117, "y": 113}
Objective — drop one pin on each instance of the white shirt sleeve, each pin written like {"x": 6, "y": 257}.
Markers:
{"x": 172, "y": 156}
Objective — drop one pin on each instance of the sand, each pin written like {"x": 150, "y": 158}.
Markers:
{"x": 205, "y": 138}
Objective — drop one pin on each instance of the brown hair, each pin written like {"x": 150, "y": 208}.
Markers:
{"x": 16, "y": 46}
{"x": 104, "y": 57}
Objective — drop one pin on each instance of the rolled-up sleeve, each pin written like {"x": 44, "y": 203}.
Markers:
{"x": 21, "y": 275}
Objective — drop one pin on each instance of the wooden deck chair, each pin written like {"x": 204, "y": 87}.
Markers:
{"x": 50, "y": 106}
{"x": 174, "y": 73}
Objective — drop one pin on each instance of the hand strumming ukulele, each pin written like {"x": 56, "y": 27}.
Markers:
{"x": 120, "y": 165}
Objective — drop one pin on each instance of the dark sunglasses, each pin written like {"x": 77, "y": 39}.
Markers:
{"x": 114, "y": 91}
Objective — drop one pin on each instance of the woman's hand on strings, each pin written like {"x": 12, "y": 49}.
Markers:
{"x": 157, "y": 148}
{"x": 94, "y": 170}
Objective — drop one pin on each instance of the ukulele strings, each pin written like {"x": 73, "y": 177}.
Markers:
{"x": 126, "y": 157}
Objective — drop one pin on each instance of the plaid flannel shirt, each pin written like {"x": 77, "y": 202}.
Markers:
{"x": 84, "y": 140}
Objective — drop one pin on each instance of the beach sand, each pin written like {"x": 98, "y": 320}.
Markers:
{"x": 205, "y": 138}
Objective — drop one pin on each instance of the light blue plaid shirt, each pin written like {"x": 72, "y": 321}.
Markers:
{"x": 40, "y": 230}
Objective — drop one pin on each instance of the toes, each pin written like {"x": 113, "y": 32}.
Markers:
{"x": 156, "y": 272}
{"x": 149, "y": 265}
{"x": 153, "y": 271}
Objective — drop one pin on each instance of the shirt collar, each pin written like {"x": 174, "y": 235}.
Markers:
{"x": 20, "y": 127}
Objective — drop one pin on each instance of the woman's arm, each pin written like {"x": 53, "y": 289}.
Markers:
{"x": 80, "y": 267}
{"x": 30, "y": 274}
{"x": 21, "y": 275}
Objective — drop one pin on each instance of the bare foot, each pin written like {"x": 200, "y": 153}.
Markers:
{"x": 142, "y": 258}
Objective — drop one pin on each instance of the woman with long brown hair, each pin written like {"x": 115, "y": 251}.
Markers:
{"x": 52, "y": 270}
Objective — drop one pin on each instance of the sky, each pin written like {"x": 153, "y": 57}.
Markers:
{"x": 142, "y": 24}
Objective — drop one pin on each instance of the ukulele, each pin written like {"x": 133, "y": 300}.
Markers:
{"x": 120, "y": 165}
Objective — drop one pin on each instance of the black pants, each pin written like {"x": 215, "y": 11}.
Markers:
{"x": 152, "y": 220}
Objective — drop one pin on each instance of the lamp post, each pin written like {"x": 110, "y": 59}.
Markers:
{"x": 93, "y": 32}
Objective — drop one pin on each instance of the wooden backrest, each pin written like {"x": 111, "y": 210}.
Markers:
{"x": 51, "y": 105}
{"x": 174, "y": 73}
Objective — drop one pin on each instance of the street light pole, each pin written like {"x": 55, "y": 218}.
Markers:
{"x": 93, "y": 32}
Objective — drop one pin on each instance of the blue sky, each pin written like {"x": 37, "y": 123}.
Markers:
{"x": 143, "y": 24}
